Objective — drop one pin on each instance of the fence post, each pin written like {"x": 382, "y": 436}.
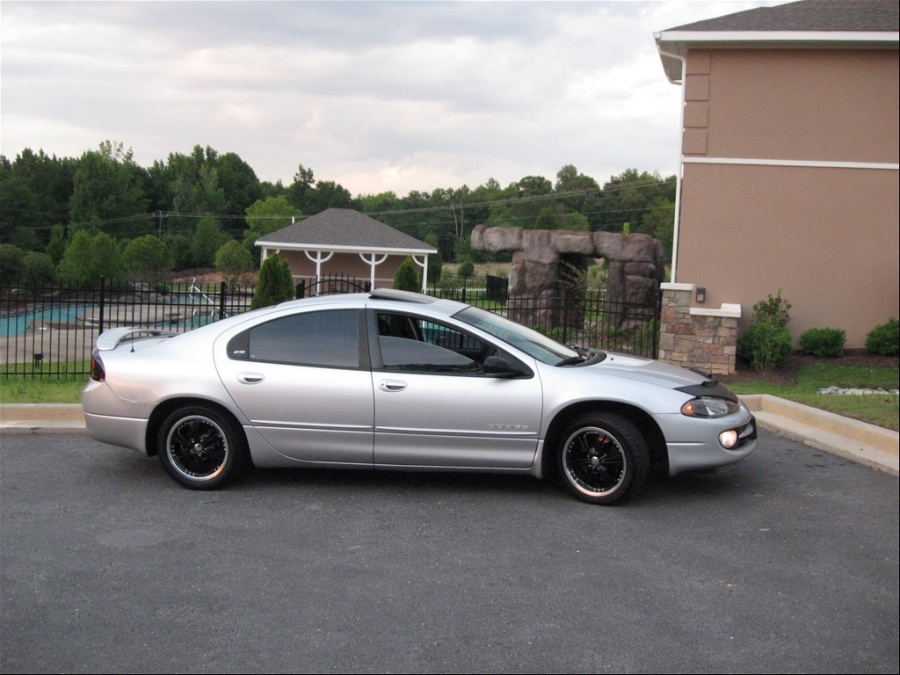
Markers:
{"x": 223, "y": 290}
{"x": 102, "y": 302}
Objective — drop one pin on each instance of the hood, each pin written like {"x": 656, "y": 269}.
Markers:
{"x": 647, "y": 370}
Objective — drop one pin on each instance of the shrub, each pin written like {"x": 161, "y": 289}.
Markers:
{"x": 766, "y": 345}
{"x": 37, "y": 269}
{"x": 406, "y": 278}
{"x": 884, "y": 339}
{"x": 823, "y": 342}
{"x": 466, "y": 268}
{"x": 274, "y": 284}
{"x": 773, "y": 310}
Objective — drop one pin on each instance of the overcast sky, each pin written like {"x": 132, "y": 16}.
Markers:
{"x": 375, "y": 95}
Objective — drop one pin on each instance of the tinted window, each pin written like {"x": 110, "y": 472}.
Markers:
{"x": 328, "y": 339}
{"x": 409, "y": 343}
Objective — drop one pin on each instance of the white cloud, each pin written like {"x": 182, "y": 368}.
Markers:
{"x": 374, "y": 95}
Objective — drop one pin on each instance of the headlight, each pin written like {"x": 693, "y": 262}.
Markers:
{"x": 709, "y": 407}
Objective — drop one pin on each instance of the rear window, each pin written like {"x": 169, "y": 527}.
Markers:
{"x": 328, "y": 339}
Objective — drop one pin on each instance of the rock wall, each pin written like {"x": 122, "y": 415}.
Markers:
{"x": 636, "y": 267}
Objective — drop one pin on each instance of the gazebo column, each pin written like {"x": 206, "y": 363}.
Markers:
{"x": 423, "y": 263}
{"x": 318, "y": 259}
{"x": 372, "y": 263}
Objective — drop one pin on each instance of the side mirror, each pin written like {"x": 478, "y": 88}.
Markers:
{"x": 500, "y": 367}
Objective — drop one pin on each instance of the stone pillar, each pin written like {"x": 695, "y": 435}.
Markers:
{"x": 696, "y": 337}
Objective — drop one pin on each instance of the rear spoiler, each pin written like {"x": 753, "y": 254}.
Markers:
{"x": 112, "y": 338}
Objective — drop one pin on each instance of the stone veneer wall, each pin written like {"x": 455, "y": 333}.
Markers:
{"x": 696, "y": 337}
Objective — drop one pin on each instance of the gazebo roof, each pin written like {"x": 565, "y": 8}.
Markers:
{"x": 343, "y": 230}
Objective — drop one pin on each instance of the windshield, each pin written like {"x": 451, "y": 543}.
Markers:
{"x": 531, "y": 342}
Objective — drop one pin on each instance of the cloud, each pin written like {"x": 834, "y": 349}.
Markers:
{"x": 374, "y": 95}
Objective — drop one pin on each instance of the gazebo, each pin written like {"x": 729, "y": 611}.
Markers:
{"x": 345, "y": 242}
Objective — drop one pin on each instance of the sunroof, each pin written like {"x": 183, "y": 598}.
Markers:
{"x": 403, "y": 296}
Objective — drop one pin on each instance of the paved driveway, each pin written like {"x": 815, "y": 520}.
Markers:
{"x": 787, "y": 562}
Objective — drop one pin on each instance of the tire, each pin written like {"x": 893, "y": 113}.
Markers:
{"x": 604, "y": 458}
{"x": 200, "y": 447}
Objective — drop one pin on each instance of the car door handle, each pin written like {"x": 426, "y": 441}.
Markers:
{"x": 250, "y": 378}
{"x": 392, "y": 385}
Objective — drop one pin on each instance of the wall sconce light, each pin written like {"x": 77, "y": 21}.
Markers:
{"x": 701, "y": 295}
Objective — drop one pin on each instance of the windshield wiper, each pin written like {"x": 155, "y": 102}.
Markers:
{"x": 585, "y": 356}
{"x": 571, "y": 361}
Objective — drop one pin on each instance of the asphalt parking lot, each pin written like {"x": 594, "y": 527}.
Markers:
{"x": 787, "y": 562}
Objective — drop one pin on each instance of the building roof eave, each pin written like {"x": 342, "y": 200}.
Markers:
{"x": 673, "y": 44}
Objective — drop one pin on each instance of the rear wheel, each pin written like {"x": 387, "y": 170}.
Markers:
{"x": 603, "y": 458}
{"x": 200, "y": 447}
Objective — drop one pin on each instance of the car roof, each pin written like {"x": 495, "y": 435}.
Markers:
{"x": 385, "y": 298}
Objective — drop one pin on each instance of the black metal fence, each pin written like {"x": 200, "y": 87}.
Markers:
{"x": 584, "y": 317}
{"x": 331, "y": 285}
{"x": 50, "y": 331}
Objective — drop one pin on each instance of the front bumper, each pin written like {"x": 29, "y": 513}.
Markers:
{"x": 709, "y": 453}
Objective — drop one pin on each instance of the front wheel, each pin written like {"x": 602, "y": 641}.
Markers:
{"x": 604, "y": 458}
{"x": 200, "y": 448}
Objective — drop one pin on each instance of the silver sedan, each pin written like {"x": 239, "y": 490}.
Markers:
{"x": 394, "y": 380}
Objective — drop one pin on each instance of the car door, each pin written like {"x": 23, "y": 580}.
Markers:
{"x": 303, "y": 381}
{"x": 435, "y": 406}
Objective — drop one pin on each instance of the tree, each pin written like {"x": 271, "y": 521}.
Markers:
{"x": 57, "y": 245}
{"x": 304, "y": 180}
{"x": 11, "y": 259}
{"x": 148, "y": 259}
{"x": 406, "y": 278}
{"x": 630, "y": 197}
{"x": 239, "y": 184}
{"x": 35, "y": 190}
{"x": 208, "y": 239}
{"x": 467, "y": 268}
{"x": 37, "y": 270}
{"x": 435, "y": 262}
{"x": 88, "y": 258}
{"x": 659, "y": 223}
{"x": 265, "y": 216}
{"x": 274, "y": 284}
{"x": 107, "y": 188}
{"x": 233, "y": 260}
{"x": 547, "y": 219}
{"x": 199, "y": 183}
{"x": 179, "y": 247}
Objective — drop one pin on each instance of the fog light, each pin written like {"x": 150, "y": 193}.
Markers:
{"x": 728, "y": 439}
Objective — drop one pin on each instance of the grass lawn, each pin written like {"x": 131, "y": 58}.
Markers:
{"x": 882, "y": 410}
{"x": 41, "y": 390}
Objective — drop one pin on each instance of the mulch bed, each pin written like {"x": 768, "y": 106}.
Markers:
{"x": 787, "y": 375}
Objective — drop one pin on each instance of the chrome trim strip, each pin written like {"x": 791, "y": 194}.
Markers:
{"x": 457, "y": 432}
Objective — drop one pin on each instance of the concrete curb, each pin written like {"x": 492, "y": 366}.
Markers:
{"x": 31, "y": 417}
{"x": 842, "y": 436}
{"x": 849, "y": 438}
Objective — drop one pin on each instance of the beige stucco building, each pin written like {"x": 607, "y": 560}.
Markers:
{"x": 789, "y": 174}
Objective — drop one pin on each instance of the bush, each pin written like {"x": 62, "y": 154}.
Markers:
{"x": 37, "y": 270}
{"x": 773, "y": 311}
{"x": 406, "y": 278}
{"x": 766, "y": 345}
{"x": 274, "y": 284}
{"x": 884, "y": 339}
{"x": 466, "y": 268}
{"x": 823, "y": 342}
